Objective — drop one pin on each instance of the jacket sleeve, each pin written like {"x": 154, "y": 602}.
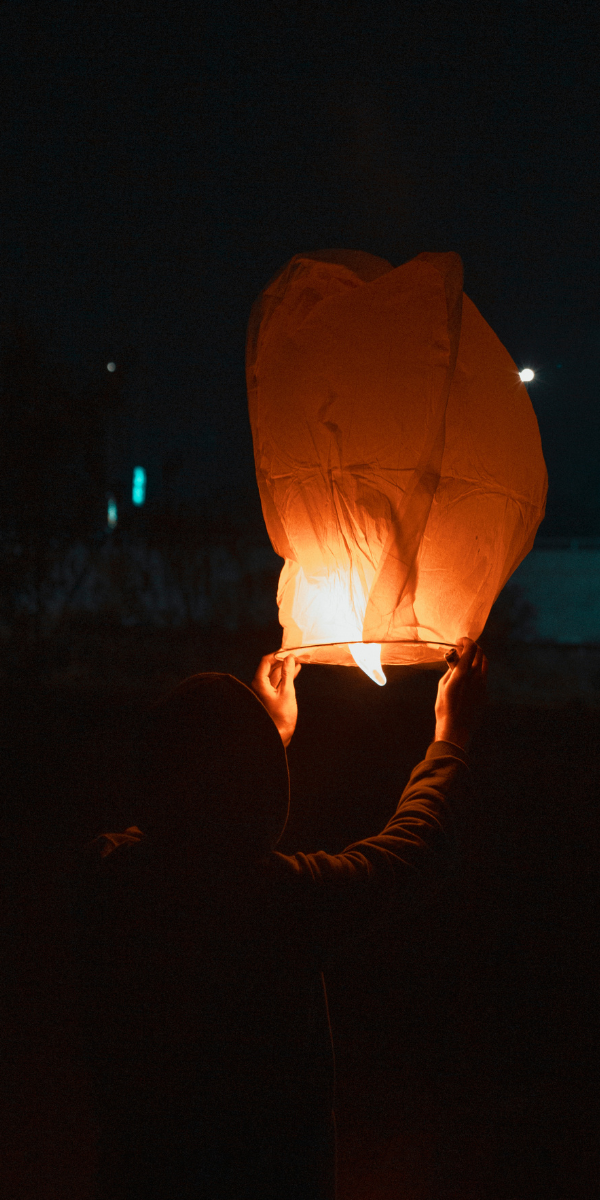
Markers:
{"x": 340, "y": 897}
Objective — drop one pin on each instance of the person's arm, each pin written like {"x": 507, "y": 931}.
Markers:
{"x": 274, "y": 686}
{"x": 343, "y": 895}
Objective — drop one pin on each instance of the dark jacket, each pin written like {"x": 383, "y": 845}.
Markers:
{"x": 203, "y": 1008}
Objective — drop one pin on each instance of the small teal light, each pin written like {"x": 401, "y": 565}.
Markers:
{"x": 112, "y": 515}
{"x": 138, "y": 491}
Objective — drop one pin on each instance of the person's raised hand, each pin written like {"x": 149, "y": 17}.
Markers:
{"x": 274, "y": 686}
{"x": 461, "y": 695}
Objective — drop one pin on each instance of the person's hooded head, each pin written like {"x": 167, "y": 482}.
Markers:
{"x": 218, "y": 777}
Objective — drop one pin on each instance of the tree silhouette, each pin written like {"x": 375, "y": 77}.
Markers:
{"x": 52, "y": 470}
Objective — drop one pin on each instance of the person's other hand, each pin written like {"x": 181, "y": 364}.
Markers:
{"x": 274, "y": 686}
{"x": 461, "y": 695}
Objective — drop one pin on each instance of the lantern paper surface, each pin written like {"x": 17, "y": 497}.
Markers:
{"x": 397, "y": 454}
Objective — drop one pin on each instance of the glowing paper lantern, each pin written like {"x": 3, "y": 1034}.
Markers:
{"x": 397, "y": 454}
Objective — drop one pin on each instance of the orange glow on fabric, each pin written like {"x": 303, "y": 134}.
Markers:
{"x": 397, "y": 455}
{"x": 367, "y": 656}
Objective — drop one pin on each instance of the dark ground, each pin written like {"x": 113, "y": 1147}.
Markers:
{"x": 466, "y": 1037}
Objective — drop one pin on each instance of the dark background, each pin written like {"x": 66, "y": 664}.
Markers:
{"x": 160, "y": 163}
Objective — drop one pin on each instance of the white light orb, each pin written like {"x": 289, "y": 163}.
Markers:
{"x": 111, "y": 366}
{"x": 526, "y": 375}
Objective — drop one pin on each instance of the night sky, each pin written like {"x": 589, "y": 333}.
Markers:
{"x": 162, "y": 161}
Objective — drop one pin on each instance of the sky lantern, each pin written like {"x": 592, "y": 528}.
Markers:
{"x": 397, "y": 454}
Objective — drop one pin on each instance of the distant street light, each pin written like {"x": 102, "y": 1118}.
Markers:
{"x": 138, "y": 491}
{"x": 527, "y": 375}
{"x": 111, "y": 366}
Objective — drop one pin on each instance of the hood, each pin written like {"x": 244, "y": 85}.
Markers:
{"x": 217, "y": 769}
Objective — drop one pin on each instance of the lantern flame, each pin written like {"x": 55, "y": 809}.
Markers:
{"x": 367, "y": 656}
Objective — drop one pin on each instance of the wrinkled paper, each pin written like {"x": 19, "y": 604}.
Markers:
{"x": 397, "y": 454}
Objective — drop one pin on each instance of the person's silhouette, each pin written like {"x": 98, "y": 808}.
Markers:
{"x": 200, "y": 948}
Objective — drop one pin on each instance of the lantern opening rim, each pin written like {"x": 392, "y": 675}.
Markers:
{"x": 378, "y": 642}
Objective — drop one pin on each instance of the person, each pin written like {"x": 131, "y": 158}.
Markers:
{"x": 200, "y": 948}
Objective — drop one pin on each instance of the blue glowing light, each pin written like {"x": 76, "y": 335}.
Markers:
{"x": 111, "y": 512}
{"x": 138, "y": 491}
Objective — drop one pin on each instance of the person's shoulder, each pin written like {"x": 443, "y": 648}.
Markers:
{"x": 306, "y": 871}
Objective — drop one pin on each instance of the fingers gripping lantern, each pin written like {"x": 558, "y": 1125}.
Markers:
{"x": 397, "y": 454}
